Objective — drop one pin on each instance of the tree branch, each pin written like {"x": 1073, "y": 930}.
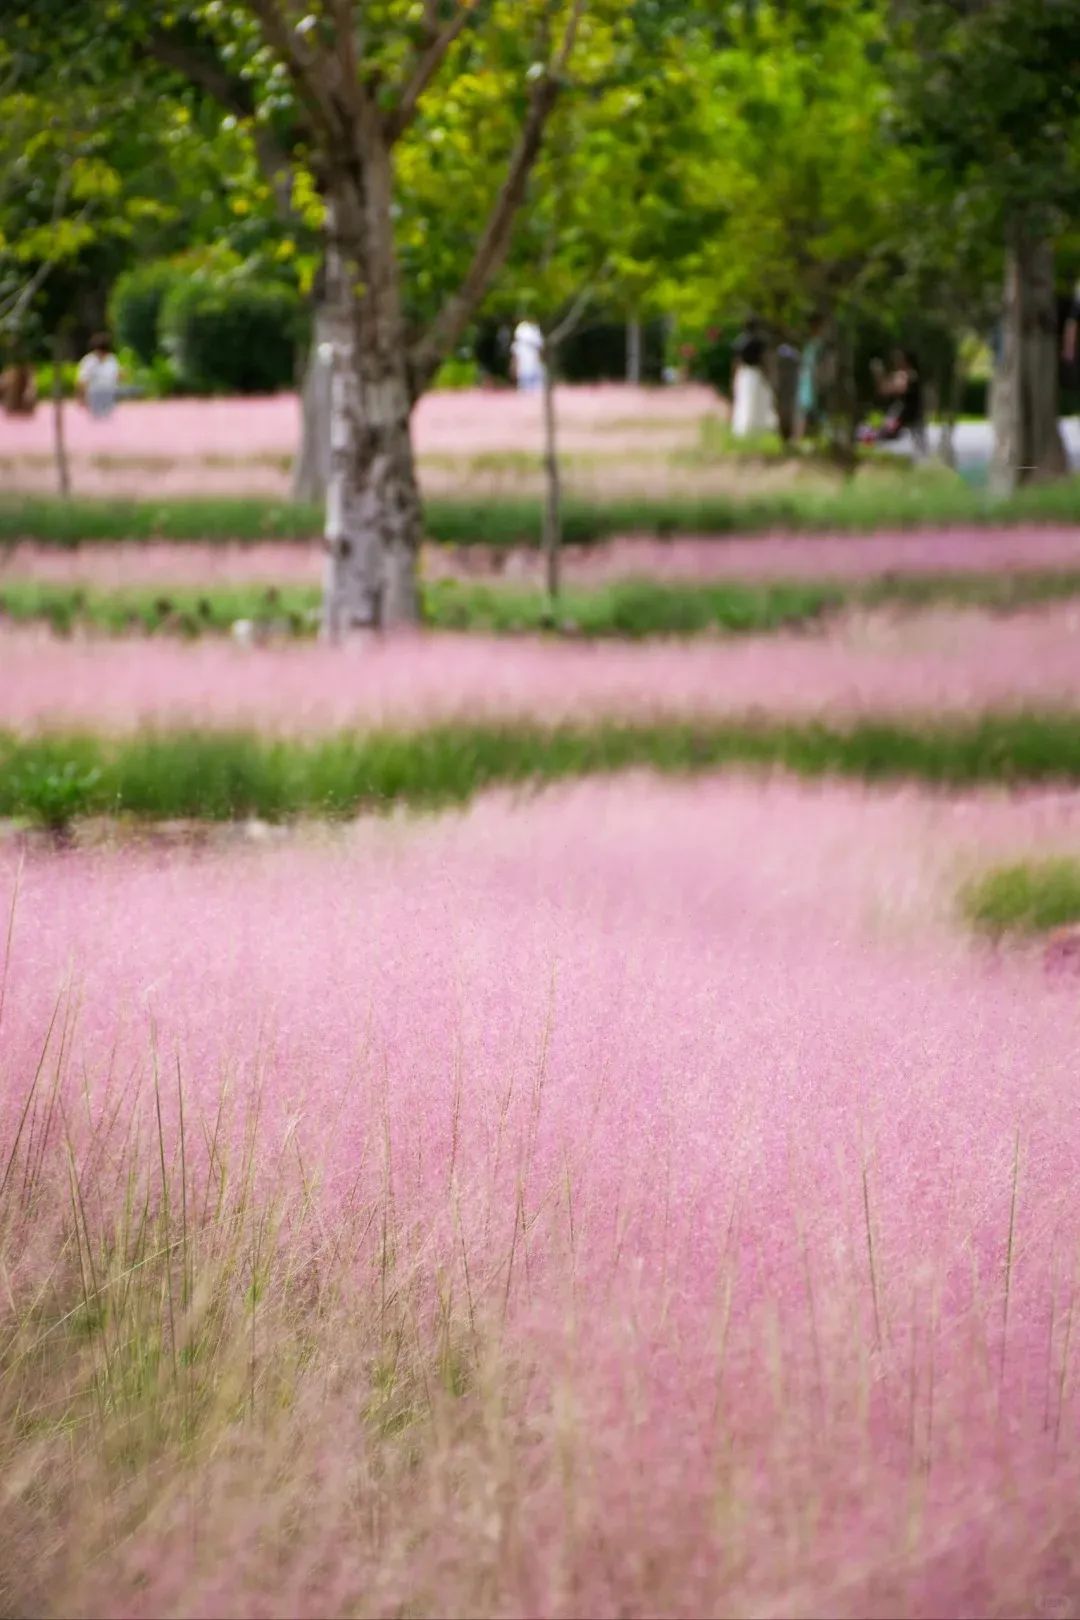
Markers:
{"x": 494, "y": 243}
{"x": 203, "y": 70}
{"x": 12, "y": 312}
{"x": 306, "y": 71}
{"x": 574, "y": 315}
{"x": 426, "y": 66}
{"x": 344, "y": 30}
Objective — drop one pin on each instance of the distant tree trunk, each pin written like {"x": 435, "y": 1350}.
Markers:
{"x": 552, "y": 484}
{"x": 1027, "y": 437}
{"x": 373, "y": 521}
{"x": 63, "y": 471}
{"x": 786, "y": 385}
{"x": 633, "y": 352}
{"x": 311, "y": 474}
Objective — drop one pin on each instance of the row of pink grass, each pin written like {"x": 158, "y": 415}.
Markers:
{"x": 470, "y": 421}
{"x": 724, "y": 1037}
{"x": 937, "y": 663}
{"x": 949, "y": 551}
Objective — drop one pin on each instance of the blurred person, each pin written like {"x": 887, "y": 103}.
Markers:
{"x": 902, "y": 388}
{"x": 527, "y": 356}
{"x": 808, "y": 413}
{"x": 753, "y": 410}
{"x": 97, "y": 384}
{"x": 1070, "y": 341}
{"x": 18, "y": 389}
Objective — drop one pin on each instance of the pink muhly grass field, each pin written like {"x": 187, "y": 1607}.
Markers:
{"x": 938, "y": 662}
{"x": 450, "y": 421}
{"x": 670, "y": 1213}
{"x": 949, "y": 551}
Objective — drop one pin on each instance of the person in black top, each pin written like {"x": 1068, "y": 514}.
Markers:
{"x": 750, "y": 344}
{"x": 902, "y": 387}
{"x": 1070, "y": 339}
{"x": 753, "y": 409}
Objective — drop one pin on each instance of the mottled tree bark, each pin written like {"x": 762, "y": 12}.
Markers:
{"x": 373, "y": 523}
{"x": 1027, "y": 437}
{"x": 373, "y": 519}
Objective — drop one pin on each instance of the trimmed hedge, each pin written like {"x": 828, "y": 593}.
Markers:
{"x": 232, "y": 337}
{"x": 135, "y": 306}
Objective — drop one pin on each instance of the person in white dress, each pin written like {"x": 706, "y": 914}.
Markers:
{"x": 753, "y": 409}
{"x": 527, "y": 353}
{"x": 98, "y": 377}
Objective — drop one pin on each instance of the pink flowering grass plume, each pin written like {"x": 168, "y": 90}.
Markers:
{"x": 812, "y": 557}
{"x": 164, "y": 448}
{"x": 461, "y": 421}
{"x": 780, "y": 557}
{"x": 645, "y": 1200}
{"x": 939, "y": 662}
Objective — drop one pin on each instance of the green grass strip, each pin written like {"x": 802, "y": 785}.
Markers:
{"x": 881, "y": 501}
{"x": 633, "y": 608}
{"x": 183, "y": 610}
{"x": 219, "y": 776}
{"x": 628, "y": 609}
{"x": 1029, "y": 897}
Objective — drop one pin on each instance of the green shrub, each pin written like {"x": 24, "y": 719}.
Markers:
{"x": 52, "y": 792}
{"x": 1028, "y": 898}
{"x": 44, "y": 378}
{"x": 135, "y": 306}
{"x": 232, "y": 337}
{"x": 458, "y": 372}
{"x": 158, "y": 380}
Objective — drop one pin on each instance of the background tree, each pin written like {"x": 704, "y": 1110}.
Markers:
{"x": 800, "y": 189}
{"x": 607, "y": 218}
{"x": 332, "y": 96}
{"x": 991, "y": 93}
{"x": 360, "y": 79}
{"x": 88, "y": 187}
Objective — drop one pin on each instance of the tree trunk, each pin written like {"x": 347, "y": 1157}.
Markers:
{"x": 785, "y": 389}
{"x": 553, "y": 490}
{"x": 63, "y": 472}
{"x": 1027, "y": 437}
{"x": 373, "y": 519}
{"x": 311, "y": 473}
{"x": 633, "y": 352}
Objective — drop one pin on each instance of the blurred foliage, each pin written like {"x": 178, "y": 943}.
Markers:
{"x": 135, "y": 305}
{"x": 704, "y": 159}
{"x": 238, "y": 335}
